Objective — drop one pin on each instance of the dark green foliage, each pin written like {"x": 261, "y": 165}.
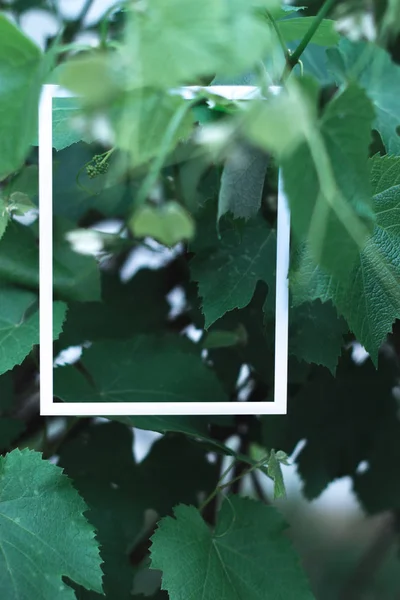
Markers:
{"x": 173, "y": 299}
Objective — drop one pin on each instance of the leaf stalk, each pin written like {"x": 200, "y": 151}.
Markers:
{"x": 293, "y": 58}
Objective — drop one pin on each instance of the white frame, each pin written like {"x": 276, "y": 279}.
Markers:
{"x": 47, "y": 406}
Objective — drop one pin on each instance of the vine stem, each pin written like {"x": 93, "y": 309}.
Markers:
{"x": 220, "y": 486}
{"x": 104, "y": 22}
{"x": 165, "y": 147}
{"x": 84, "y": 12}
{"x": 293, "y": 58}
{"x": 278, "y": 35}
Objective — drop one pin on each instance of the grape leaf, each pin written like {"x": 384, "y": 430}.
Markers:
{"x": 228, "y": 270}
{"x": 295, "y": 28}
{"x": 19, "y": 328}
{"x": 275, "y": 472}
{"x": 316, "y": 334}
{"x": 125, "y": 372}
{"x": 65, "y": 117}
{"x": 179, "y": 42}
{"x": 339, "y": 417}
{"x": 136, "y": 306}
{"x": 391, "y": 21}
{"x": 242, "y": 182}
{"x": 142, "y": 120}
{"x": 327, "y": 182}
{"x": 76, "y": 277}
{"x": 101, "y": 194}
{"x": 4, "y": 217}
{"x": 118, "y": 490}
{"x": 257, "y": 351}
{"x": 21, "y": 73}
{"x": 374, "y": 70}
{"x": 44, "y": 535}
{"x": 370, "y": 299}
{"x": 189, "y": 425}
{"x": 64, "y": 133}
{"x": 101, "y": 464}
{"x": 314, "y": 60}
{"x": 7, "y": 392}
{"x": 247, "y": 556}
{"x": 161, "y": 595}
{"x": 10, "y": 428}
{"x": 169, "y": 223}
{"x": 377, "y": 488}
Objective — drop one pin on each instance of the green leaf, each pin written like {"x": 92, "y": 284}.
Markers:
{"x": 339, "y": 417}
{"x": 314, "y": 60}
{"x": 374, "y": 70}
{"x": 64, "y": 133}
{"x": 228, "y": 270}
{"x": 378, "y": 488}
{"x": 26, "y": 182}
{"x": 10, "y": 428}
{"x": 195, "y": 40}
{"x": 316, "y": 334}
{"x": 391, "y": 20}
{"x": 95, "y": 77}
{"x": 197, "y": 426}
{"x": 20, "y": 193}
{"x": 127, "y": 308}
{"x": 101, "y": 464}
{"x": 141, "y": 120}
{"x": 76, "y": 277}
{"x": 370, "y": 299}
{"x": 327, "y": 182}
{"x": 242, "y": 182}
{"x": 19, "y": 326}
{"x": 225, "y": 339}
{"x": 20, "y": 203}
{"x": 295, "y": 28}
{"x": 247, "y": 556}
{"x": 21, "y": 73}
{"x": 44, "y": 535}
{"x": 100, "y": 195}
{"x": 159, "y": 596}
{"x": 118, "y": 491}
{"x": 143, "y": 369}
{"x": 169, "y": 223}
{"x": 66, "y": 111}
{"x": 275, "y": 472}
{"x": 4, "y": 217}
{"x": 276, "y": 123}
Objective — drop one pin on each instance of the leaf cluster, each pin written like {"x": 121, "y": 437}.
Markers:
{"x": 165, "y": 212}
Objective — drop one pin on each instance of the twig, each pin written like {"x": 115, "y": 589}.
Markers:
{"x": 220, "y": 486}
{"x": 258, "y": 488}
{"x": 279, "y": 35}
{"x": 294, "y": 57}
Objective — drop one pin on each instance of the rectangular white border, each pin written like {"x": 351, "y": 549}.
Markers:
{"x": 47, "y": 406}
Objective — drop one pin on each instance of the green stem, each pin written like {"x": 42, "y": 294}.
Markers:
{"x": 294, "y": 57}
{"x": 166, "y": 143}
{"x": 279, "y": 35}
{"x": 220, "y": 486}
{"x": 86, "y": 7}
{"x": 74, "y": 27}
{"x": 107, "y": 155}
{"x": 105, "y": 22}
